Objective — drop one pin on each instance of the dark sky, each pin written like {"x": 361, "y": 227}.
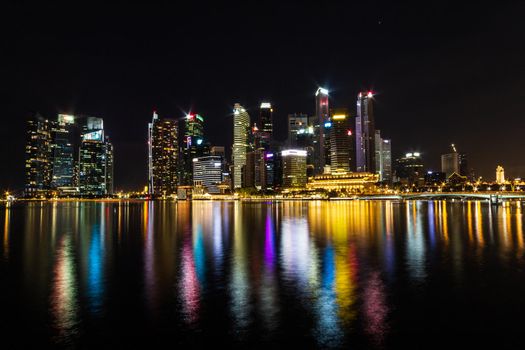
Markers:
{"x": 443, "y": 71}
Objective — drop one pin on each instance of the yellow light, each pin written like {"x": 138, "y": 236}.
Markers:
{"x": 339, "y": 116}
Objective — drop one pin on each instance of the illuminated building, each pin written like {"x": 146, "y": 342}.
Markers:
{"x": 194, "y": 146}
{"x": 207, "y": 172}
{"x": 95, "y": 170}
{"x": 266, "y": 125}
{"x": 163, "y": 156}
{"x": 301, "y": 134}
{"x": 435, "y": 178}
{"x": 344, "y": 181}
{"x": 294, "y": 168}
{"x": 109, "y": 167}
{"x": 365, "y": 133}
{"x": 463, "y": 166}
{"x": 321, "y": 129}
{"x": 409, "y": 169}
{"x": 340, "y": 141}
{"x": 63, "y": 144}
{"x": 383, "y": 158}
{"x": 241, "y": 129}
{"x": 450, "y": 162}
{"x": 500, "y": 175}
{"x": 38, "y": 162}
{"x": 297, "y": 125}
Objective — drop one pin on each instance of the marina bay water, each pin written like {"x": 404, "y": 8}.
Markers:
{"x": 325, "y": 274}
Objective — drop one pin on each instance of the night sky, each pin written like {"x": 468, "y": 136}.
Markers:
{"x": 443, "y": 72}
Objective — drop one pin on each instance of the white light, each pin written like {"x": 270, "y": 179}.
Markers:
{"x": 216, "y": 164}
{"x": 408, "y": 155}
{"x": 266, "y": 105}
{"x": 294, "y": 152}
{"x": 195, "y": 159}
{"x": 321, "y": 91}
{"x": 416, "y": 154}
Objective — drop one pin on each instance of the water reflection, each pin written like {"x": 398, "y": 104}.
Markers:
{"x": 63, "y": 302}
{"x": 5, "y": 240}
{"x": 323, "y": 273}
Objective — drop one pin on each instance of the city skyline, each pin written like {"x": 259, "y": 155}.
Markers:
{"x": 450, "y": 91}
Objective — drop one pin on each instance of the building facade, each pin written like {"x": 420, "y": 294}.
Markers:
{"x": 294, "y": 168}
{"x": 63, "y": 152}
{"x": 94, "y": 175}
{"x": 321, "y": 129}
{"x": 409, "y": 169}
{"x": 193, "y": 146}
{"x": 365, "y": 133}
{"x": 241, "y": 129}
{"x": 383, "y": 158}
{"x": 207, "y": 173}
{"x": 38, "y": 159}
{"x": 163, "y": 156}
{"x": 340, "y": 141}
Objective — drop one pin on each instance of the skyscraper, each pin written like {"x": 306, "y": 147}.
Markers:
{"x": 63, "y": 144}
{"x": 409, "y": 169}
{"x": 266, "y": 125}
{"x": 340, "y": 141}
{"x": 294, "y": 168}
{"x": 163, "y": 156}
{"x": 365, "y": 133}
{"x": 450, "y": 162}
{"x": 322, "y": 124}
{"x": 383, "y": 149}
{"x": 241, "y": 128}
{"x": 194, "y": 146}
{"x": 38, "y": 162}
{"x": 94, "y": 175}
{"x": 207, "y": 172}
{"x": 301, "y": 134}
{"x": 500, "y": 175}
{"x": 298, "y": 126}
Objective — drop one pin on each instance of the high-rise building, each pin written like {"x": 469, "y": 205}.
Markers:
{"x": 207, "y": 172}
{"x": 365, "y": 133}
{"x": 241, "y": 129}
{"x": 340, "y": 141}
{"x": 266, "y": 125}
{"x": 301, "y": 135}
{"x": 383, "y": 149}
{"x": 450, "y": 162}
{"x": 194, "y": 146}
{"x": 110, "y": 161}
{"x": 294, "y": 168}
{"x": 94, "y": 175}
{"x": 500, "y": 175}
{"x": 38, "y": 162}
{"x": 64, "y": 153}
{"x": 298, "y": 125}
{"x": 321, "y": 128}
{"x": 409, "y": 169}
{"x": 463, "y": 166}
{"x": 163, "y": 156}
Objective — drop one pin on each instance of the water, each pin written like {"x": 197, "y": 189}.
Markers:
{"x": 356, "y": 274}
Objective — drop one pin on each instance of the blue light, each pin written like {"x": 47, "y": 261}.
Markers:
{"x": 199, "y": 141}
{"x": 328, "y": 124}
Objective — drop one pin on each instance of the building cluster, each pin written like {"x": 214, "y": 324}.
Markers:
{"x": 68, "y": 157}
{"x": 333, "y": 150}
